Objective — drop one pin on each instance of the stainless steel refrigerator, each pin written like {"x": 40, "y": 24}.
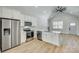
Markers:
{"x": 10, "y": 33}
{"x": 6, "y": 34}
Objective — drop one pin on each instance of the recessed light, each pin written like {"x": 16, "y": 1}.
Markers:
{"x": 36, "y": 6}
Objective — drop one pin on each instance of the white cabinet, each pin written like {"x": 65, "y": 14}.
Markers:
{"x": 5, "y": 12}
{"x": 0, "y": 12}
{"x": 52, "y": 38}
{"x": 23, "y": 33}
{"x": 34, "y": 21}
{"x": 23, "y": 36}
{"x": 9, "y": 13}
{"x": 16, "y": 14}
{"x": 31, "y": 19}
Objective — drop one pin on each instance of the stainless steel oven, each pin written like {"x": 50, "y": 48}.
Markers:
{"x": 29, "y": 33}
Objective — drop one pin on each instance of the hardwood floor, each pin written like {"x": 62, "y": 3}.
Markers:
{"x": 71, "y": 44}
{"x": 33, "y": 46}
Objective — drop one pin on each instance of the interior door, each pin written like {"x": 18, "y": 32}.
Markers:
{"x": 73, "y": 28}
{"x": 6, "y": 34}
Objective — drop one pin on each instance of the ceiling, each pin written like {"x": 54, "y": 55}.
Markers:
{"x": 44, "y": 11}
{"x": 33, "y": 10}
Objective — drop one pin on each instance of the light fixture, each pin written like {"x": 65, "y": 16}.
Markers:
{"x": 60, "y": 9}
{"x": 36, "y": 6}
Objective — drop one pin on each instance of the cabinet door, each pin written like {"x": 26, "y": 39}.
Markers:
{"x": 0, "y": 11}
{"x": 7, "y": 13}
{"x": 16, "y": 14}
{"x": 23, "y": 36}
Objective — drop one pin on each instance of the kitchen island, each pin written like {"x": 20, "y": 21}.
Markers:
{"x": 59, "y": 38}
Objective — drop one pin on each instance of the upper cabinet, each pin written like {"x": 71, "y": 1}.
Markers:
{"x": 16, "y": 14}
{"x": 0, "y": 12}
{"x": 31, "y": 19}
{"x": 9, "y": 13}
{"x": 34, "y": 21}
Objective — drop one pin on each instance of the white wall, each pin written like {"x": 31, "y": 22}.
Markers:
{"x": 67, "y": 19}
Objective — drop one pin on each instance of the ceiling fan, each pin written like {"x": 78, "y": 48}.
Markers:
{"x": 60, "y": 9}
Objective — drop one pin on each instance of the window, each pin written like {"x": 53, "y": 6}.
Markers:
{"x": 58, "y": 25}
{"x": 72, "y": 24}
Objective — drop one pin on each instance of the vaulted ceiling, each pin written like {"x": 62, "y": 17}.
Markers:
{"x": 44, "y": 11}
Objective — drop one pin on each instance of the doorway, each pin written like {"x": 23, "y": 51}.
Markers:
{"x": 73, "y": 28}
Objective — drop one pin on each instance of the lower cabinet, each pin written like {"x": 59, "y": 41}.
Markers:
{"x": 51, "y": 38}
